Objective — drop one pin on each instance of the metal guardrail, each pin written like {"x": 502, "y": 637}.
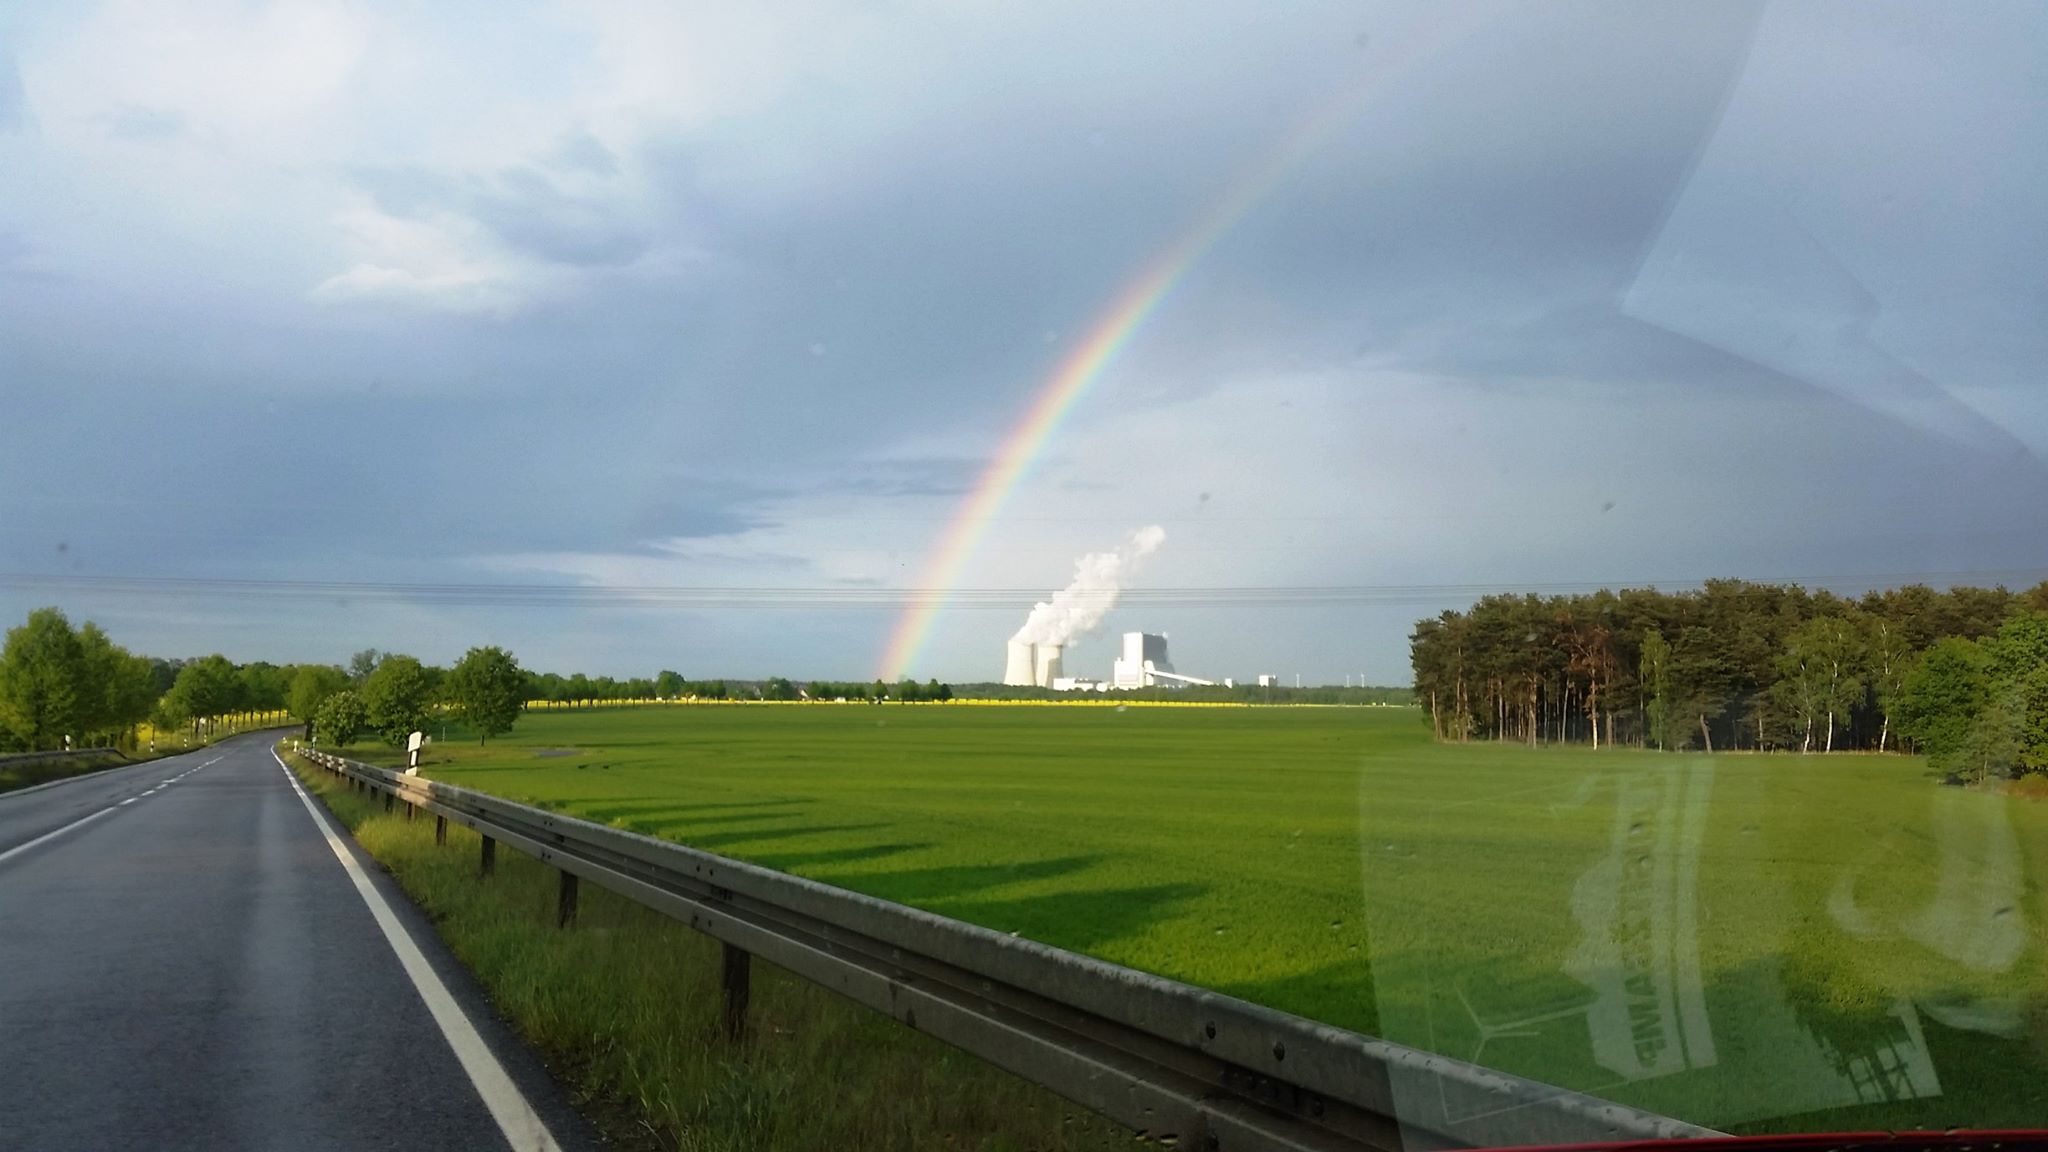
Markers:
{"x": 12, "y": 758}
{"x": 1177, "y": 1063}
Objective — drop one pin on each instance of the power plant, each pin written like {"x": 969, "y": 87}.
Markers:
{"x": 1144, "y": 658}
{"x": 1034, "y": 657}
{"x": 1032, "y": 664}
{"x": 1143, "y": 664}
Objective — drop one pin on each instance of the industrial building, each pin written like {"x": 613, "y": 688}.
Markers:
{"x": 1144, "y": 657}
{"x": 1143, "y": 664}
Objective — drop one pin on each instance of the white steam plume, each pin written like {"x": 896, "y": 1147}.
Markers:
{"x": 1099, "y": 577}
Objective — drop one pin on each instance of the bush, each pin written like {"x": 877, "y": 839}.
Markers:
{"x": 341, "y": 719}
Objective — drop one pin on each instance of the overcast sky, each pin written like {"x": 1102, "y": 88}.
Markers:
{"x": 741, "y": 295}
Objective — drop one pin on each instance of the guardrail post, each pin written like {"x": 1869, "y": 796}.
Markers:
{"x": 738, "y": 981}
{"x": 440, "y": 831}
{"x": 389, "y": 800}
{"x": 489, "y": 862}
{"x": 410, "y": 808}
{"x": 565, "y": 901}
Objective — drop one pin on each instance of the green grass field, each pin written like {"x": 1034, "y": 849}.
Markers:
{"x": 1752, "y": 942}
{"x": 625, "y": 1009}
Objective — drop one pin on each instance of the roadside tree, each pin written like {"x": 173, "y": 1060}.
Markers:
{"x": 341, "y": 719}
{"x": 41, "y": 674}
{"x": 396, "y": 698}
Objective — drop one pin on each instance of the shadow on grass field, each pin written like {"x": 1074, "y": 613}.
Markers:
{"x": 624, "y": 1008}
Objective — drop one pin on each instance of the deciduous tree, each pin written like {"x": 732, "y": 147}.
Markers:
{"x": 1655, "y": 679}
{"x": 311, "y": 685}
{"x": 487, "y": 689}
{"x": 42, "y": 672}
{"x": 205, "y": 687}
{"x": 1941, "y": 697}
{"x": 395, "y": 698}
{"x": 362, "y": 664}
{"x": 341, "y": 719}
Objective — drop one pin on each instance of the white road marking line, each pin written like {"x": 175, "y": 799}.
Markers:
{"x": 520, "y": 1124}
{"x": 46, "y": 837}
{"x": 128, "y": 801}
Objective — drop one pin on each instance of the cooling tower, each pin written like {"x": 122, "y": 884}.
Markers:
{"x": 1047, "y": 665}
{"x": 1022, "y": 665}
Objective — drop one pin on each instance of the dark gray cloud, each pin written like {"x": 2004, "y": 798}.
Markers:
{"x": 1560, "y": 248}
{"x": 531, "y": 214}
{"x": 525, "y": 207}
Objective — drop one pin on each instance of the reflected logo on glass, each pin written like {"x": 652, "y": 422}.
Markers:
{"x": 1637, "y": 908}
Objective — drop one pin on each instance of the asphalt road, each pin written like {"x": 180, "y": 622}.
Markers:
{"x": 185, "y": 962}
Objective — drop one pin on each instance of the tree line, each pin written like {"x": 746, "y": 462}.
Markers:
{"x": 1960, "y": 674}
{"x": 390, "y": 695}
{"x": 58, "y": 681}
{"x": 857, "y": 691}
{"x": 579, "y": 689}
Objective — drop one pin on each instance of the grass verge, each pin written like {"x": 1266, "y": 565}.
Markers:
{"x": 624, "y": 1007}
{"x": 18, "y": 775}
{"x": 34, "y": 772}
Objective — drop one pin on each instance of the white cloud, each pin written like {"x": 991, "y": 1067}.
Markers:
{"x": 443, "y": 263}
{"x": 459, "y": 291}
{"x": 251, "y": 76}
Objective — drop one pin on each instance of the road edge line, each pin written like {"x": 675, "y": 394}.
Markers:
{"x": 517, "y": 1120}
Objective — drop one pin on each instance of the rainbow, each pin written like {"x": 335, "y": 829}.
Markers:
{"x": 1106, "y": 337}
